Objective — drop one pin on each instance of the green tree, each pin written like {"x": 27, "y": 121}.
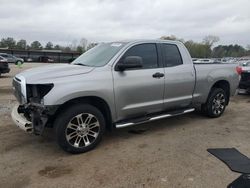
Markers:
{"x": 49, "y": 46}
{"x": 36, "y": 45}
{"x": 198, "y": 50}
{"x": 57, "y": 47}
{"x": 91, "y": 45}
{"x": 67, "y": 49}
{"x": 21, "y": 44}
{"x": 8, "y": 42}
{"x": 79, "y": 49}
{"x": 219, "y": 51}
{"x": 172, "y": 37}
{"x": 229, "y": 51}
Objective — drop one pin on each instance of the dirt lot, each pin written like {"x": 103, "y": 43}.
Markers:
{"x": 166, "y": 153}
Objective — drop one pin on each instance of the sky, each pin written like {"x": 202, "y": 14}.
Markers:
{"x": 67, "y": 21}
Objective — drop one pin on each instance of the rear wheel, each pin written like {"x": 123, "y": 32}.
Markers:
{"x": 79, "y": 128}
{"x": 216, "y": 103}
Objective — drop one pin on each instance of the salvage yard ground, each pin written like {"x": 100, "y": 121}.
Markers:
{"x": 166, "y": 153}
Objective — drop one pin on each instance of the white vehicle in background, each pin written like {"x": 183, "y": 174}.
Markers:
{"x": 12, "y": 59}
{"x": 205, "y": 60}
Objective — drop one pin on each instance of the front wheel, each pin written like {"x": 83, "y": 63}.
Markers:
{"x": 79, "y": 128}
{"x": 19, "y": 62}
{"x": 216, "y": 103}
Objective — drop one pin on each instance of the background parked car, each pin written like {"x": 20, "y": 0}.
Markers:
{"x": 12, "y": 59}
{"x": 45, "y": 59}
{"x": 244, "y": 70}
{"x": 29, "y": 59}
{"x": 4, "y": 66}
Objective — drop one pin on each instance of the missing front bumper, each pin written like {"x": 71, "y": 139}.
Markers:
{"x": 33, "y": 118}
{"x": 21, "y": 121}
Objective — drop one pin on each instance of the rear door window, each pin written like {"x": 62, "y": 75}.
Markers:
{"x": 171, "y": 55}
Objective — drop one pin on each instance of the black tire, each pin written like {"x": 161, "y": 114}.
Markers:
{"x": 67, "y": 124}
{"x": 212, "y": 108}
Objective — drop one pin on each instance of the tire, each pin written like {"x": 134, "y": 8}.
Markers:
{"x": 216, "y": 103}
{"x": 79, "y": 128}
{"x": 18, "y": 62}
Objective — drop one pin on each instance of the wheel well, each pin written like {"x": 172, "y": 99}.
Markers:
{"x": 98, "y": 102}
{"x": 223, "y": 84}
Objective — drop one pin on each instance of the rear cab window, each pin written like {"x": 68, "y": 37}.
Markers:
{"x": 171, "y": 55}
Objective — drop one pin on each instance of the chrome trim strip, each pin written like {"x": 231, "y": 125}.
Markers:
{"x": 123, "y": 125}
{"x": 159, "y": 117}
{"x": 189, "y": 110}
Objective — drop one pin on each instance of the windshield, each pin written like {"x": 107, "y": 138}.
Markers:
{"x": 100, "y": 55}
{"x": 4, "y": 55}
{"x": 7, "y": 55}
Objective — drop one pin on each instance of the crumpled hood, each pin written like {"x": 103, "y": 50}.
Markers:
{"x": 46, "y": 74}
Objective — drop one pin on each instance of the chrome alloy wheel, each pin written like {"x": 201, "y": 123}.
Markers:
{"x": 218, "y": 104}
{"x": 82, "y": 130}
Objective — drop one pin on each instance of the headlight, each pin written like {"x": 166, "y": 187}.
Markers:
{"x": 36, "y": 92}
{"x": 21, "y": 89}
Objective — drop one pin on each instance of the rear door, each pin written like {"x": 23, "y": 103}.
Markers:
{"x": 179, "y": 78}
{"x": 137, "y": 91}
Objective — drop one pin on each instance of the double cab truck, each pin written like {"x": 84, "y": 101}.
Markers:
{"x": 115, "y": 85}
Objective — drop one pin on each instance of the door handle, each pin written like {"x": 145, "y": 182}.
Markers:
{"x": 158, "y": 75}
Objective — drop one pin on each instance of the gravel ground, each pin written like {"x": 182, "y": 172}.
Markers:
{"x": 166, "y": 153}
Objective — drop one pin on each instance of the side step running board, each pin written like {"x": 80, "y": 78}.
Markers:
{"x": 152, "y": 118}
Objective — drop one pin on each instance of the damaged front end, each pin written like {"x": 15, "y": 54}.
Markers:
{"x": 30, "y": 118}
{"x": 31, "y": 114}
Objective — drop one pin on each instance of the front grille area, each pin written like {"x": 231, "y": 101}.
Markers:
{"x": 5, "y": 64}
{"x": 17, "y": 90}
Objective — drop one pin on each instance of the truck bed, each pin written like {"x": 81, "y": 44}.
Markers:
{"x": 208, "y": 73}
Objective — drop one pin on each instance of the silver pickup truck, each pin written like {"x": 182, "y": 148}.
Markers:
{"x": 116, "y": 85}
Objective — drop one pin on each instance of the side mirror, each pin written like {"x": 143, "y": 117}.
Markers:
{"x": 130, "y": 62}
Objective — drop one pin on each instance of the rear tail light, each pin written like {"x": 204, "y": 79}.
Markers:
{"x": 239, "y": 70}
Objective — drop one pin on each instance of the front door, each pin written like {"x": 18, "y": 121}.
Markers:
{"x": 139, "y": 91}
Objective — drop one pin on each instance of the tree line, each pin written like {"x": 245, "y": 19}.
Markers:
{"x": 76, "y": 46}
{"x": 204, "y": 49}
